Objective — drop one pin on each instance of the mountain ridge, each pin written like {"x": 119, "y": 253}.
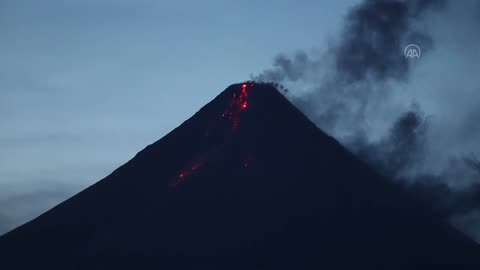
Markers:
{"x": 247, "y": 177}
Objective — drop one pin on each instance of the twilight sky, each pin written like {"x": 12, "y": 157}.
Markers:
{"x": 84, "y": 85}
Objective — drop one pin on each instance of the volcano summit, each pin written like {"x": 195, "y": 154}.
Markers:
{"x": 248, "y": 182}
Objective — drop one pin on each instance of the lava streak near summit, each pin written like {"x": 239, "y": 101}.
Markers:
{"x": 237, "y": 104}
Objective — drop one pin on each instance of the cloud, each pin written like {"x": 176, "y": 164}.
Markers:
{"x": 6, "y": 223}
{"x": 18, "y": 209}
{"x": 413, "y": 120}
{"x": 469, "y": 223}
{"x": 23, "y": 203}
{"x": 374, "y": 33}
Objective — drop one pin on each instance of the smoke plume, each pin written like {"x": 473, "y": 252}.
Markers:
{"x": 414, "y": 120}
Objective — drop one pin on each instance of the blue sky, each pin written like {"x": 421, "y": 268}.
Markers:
{"x": 84, "y": 85}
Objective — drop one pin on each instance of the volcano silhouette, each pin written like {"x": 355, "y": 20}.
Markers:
{"x": 248, "y": 182}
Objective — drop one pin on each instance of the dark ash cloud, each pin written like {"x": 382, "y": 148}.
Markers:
{"x": 358, "y": 91}
{"x": 374, "y": 34}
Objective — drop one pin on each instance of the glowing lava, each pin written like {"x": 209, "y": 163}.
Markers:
{"x": 238, "y": 104}
{"x": 188, "y": 172}
{"x": 247, "y": 162}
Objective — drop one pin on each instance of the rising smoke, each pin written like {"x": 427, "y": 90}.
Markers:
{"x": 413, "y": 120}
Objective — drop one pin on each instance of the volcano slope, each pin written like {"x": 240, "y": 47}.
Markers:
{"x": 248, "y": 182}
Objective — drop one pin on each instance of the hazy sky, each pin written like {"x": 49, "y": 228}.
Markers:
{"x": 84, "y": 85}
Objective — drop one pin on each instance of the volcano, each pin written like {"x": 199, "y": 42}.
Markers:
{"x": 248, "y": 182}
